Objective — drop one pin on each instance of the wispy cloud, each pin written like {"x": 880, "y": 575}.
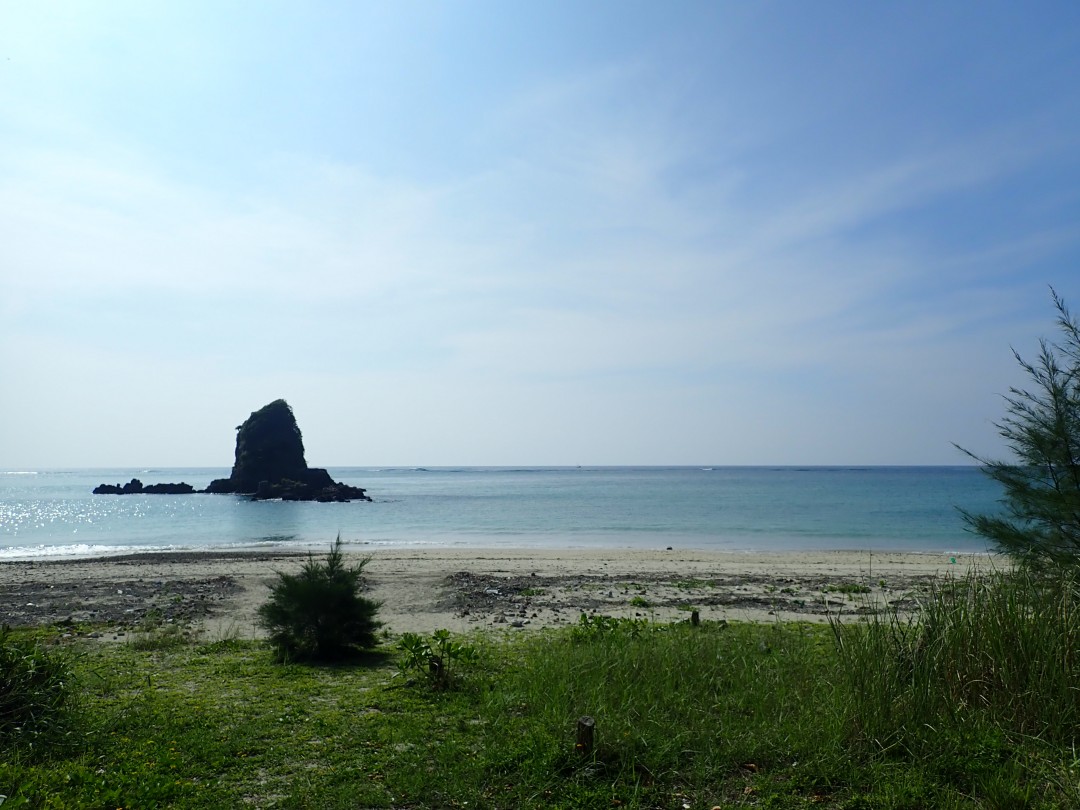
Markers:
{"x": 635, "y": 250}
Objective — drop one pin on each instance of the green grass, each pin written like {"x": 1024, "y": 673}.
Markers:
{"x": 995, "y": 658}
{"x": 154, "y": 634}
{"x": 974, "y": 706}
{"x": 846, "y": 588}
{"x": 35, "y": 692}
{"x": 692, "y": 584}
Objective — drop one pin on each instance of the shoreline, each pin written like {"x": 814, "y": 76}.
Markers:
{"x": 216, "y": 593}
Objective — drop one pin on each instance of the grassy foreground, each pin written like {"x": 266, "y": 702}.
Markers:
{"x": 778, "y": 716}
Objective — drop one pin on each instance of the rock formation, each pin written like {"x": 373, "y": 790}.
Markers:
{"x": 135, "y": 487}
{"x": 270, "y": 462}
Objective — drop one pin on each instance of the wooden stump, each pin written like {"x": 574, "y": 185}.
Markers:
{"x": 695, "y": 618}
{"x": 586, "y": 732}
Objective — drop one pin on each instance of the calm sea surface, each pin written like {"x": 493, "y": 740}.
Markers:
{"x": 52, "y": 513}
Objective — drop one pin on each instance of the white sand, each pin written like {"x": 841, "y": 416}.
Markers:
{"x": 469, "y": 589}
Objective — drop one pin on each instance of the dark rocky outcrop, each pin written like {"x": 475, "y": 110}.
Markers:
{"x": 269, "y": 447}
{"x": 168, "y": 489}
{"x": 135, "y": 487}
{"x": 270, "y": 462}
{"x": 269, "y": 465}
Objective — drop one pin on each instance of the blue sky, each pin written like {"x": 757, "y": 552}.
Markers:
{"x": 530, "y": 233}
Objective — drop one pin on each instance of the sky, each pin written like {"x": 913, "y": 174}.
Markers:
{"x": 530, "y": 233}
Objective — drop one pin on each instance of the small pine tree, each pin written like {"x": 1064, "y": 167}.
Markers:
{"x": 1041, "y": 524}
{"x": 319, "y": 614}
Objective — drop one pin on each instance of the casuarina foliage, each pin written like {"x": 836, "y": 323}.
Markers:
{"x": 319, "y": 613}
{"x": 1040, "y": 525}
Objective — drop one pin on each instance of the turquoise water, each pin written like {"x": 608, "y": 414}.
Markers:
{"x": 52, "y": 513}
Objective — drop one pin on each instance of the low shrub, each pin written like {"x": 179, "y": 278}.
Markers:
{"x": 319, "y": 613}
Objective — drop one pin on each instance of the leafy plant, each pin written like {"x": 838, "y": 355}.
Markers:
{"x": 598, "y": 626}
{"x": 35, "y": 687}
{"x": 1041, "y": 524}
{"x": 434, "y": 657}
{"x": 319, "y": 613}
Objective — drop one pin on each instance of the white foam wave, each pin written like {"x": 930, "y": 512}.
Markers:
{"x": 75, "y": 550}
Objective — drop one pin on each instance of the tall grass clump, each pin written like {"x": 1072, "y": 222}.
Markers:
{"x": 320, "y": 614}
{"x": 995, "y": 656}
{"x": 672, "y": 704}
{"x": 35, "y": 689}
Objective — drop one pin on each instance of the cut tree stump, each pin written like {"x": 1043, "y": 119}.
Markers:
{"x": 586, "y": 731}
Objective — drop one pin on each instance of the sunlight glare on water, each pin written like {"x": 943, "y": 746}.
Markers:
{"x": 53, "y": 513}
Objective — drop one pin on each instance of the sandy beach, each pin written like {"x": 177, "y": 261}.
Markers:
{"x": 217, "y": 594}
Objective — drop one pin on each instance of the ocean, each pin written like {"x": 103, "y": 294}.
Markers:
{"x": 52, "y": 513}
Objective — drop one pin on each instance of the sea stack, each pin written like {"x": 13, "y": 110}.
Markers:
{"x": 270, "y": 462}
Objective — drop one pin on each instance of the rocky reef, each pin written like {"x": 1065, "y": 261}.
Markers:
{"x": 269, "y": 465}
{"x": 136, "y": 487}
